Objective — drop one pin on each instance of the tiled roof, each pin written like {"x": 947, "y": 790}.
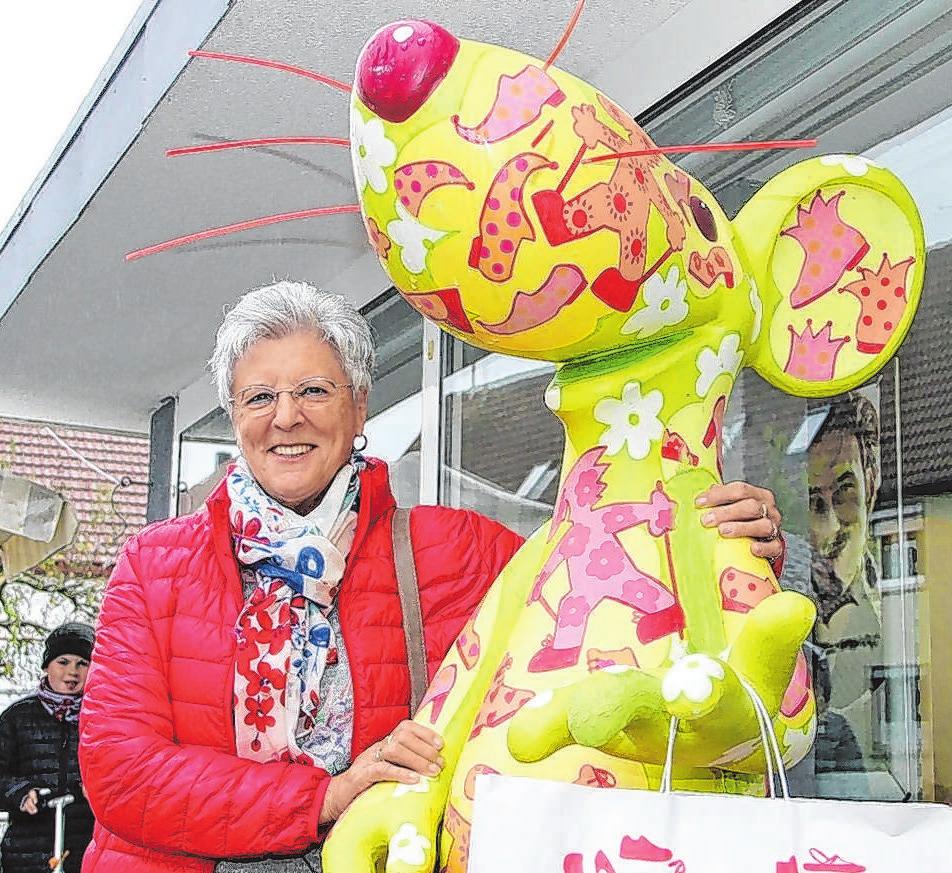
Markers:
{"x": 29, "y": 449}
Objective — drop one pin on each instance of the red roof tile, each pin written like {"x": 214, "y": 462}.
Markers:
{"x": 29, "y": 449}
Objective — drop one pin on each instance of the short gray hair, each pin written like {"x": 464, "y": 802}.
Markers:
{"x": 278, "y": 310}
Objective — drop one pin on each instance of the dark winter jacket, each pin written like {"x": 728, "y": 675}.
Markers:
{"x": 37, "y": 751}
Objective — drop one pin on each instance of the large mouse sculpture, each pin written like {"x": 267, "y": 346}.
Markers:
{"x": 528, "y": 214}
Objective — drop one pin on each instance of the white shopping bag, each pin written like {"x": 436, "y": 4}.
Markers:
{"x": 530, "y": 826}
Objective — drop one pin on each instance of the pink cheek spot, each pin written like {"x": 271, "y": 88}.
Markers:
{"x": 492, "y": 203}
{"x": 398, "y": 184}
{"x": 522, "y": 165}
{"x": 484, "y": 252}
{"x": 513, "y": 219}
{"x": 455, "y": 173}
{"x": 492, "y": 229}
{"x": 503, "y": 176}
{"x": 515, "y": 194}
{"x": 431, "y": 170}
{"x": 506, "y": 246}
{"x": 405, "y": 201}
{"x": 498, "y": 268}
{"x": 416, "y": 187}
{"x": 407, "y": 171}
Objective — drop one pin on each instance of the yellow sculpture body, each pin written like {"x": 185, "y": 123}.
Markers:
{"x": 623, "y": 611}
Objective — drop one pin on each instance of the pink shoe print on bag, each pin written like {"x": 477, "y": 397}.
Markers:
{"x": 822, "y": 863}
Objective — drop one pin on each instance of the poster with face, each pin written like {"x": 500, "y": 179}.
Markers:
{"x": 844, "y": 473}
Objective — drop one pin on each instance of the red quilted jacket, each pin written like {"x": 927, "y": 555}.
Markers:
{"x": 157, "y": 738}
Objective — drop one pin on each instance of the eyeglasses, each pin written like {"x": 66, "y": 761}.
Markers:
{"x": 310, "y": 393}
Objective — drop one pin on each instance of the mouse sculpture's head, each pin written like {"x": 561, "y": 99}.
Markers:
{"x": 526, "y": 213}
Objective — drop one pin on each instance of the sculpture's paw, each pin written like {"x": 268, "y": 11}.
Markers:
{"x": 390, "y": 827}
{"x": 601, "y": 711}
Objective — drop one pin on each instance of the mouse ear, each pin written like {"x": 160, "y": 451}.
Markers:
{"x": 837, "y": 250}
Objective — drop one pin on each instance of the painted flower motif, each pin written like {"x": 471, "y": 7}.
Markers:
{"x": 632, "y": 421}
{"x": 587, "y": 488}
{"x": 665, "y": 304}
{"x": 855, "y": 165}
{"x": 575, "y": 541}
{"x": 370, "y": 151}
{"x": 606, "y": 561}
{"x": 421, "y": 787}
{"x": 413, "y": 238}
{"x": 378, "y": 239}
{"x": 618, "y": 518}
{"x": 636, "y": 591}
{"x": 758, "y": 307}
{"x": 691, "y": 676}
{"x": 711, "y": 364}
{"x": 409, "y": 846}
{"x": 573, "y": 611}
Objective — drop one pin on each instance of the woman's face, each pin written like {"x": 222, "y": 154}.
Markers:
{"x": 294, "y": 453}
{"x": 67, "y": 673}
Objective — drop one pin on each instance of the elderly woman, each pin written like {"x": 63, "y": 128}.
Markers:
{"x": 251, "y": 673}
{"x": 39, "y": 737}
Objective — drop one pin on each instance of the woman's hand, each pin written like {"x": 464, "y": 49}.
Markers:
{"x": 741, "y": 510}
{"x": 30, "y": 803}
{"x": 407, "y": 753}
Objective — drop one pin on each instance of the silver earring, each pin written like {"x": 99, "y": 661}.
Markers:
{"x": 363, "y": 445}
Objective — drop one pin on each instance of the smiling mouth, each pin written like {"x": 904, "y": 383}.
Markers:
{"x": 292, "y": 451}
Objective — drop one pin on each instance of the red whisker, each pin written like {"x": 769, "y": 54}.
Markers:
{"x": 542, "y": 134}
{"x": 566, "y": 34}
{"x": 256, "y": 143}
{"x": 708, "y": 147}
{"x": 240, "y": 226}
{"x": 274, "y": 65}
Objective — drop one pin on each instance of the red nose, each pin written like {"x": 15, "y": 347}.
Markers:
{"x": 402, "y": 65}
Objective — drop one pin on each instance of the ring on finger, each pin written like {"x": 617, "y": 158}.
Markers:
{"x": 775, "y": 533}
{"x": 763, "y": 510}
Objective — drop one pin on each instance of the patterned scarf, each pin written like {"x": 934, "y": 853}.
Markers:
{"x": 63, "y": 707}
{"x": 284, "y": 638}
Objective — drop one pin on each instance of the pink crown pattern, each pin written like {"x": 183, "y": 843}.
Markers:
{"x": 830, "y": 244}
{"x": 813, "y": 354}
{"x": 882, "y": 296}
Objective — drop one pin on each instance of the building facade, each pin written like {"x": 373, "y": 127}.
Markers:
{"x": 864, "y": 480}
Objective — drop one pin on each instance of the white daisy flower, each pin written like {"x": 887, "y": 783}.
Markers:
{"x": 412, "y": 237}
{"x": 711, "y": 364}
{"x": 853, "y": 164}
{"x": 421, "y": 787}
{"x": 665, "y": 304}
{"x": 409, "y": 846}
{"x": 691, "y": 677}
{"x": 632, "y": 421}
{"x": 370, "y": 151}
{"x": 758, "y": 307}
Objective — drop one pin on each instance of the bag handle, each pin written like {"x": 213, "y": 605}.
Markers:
{"x": 768, "y": 739}
{"x": 409, "y": 590}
